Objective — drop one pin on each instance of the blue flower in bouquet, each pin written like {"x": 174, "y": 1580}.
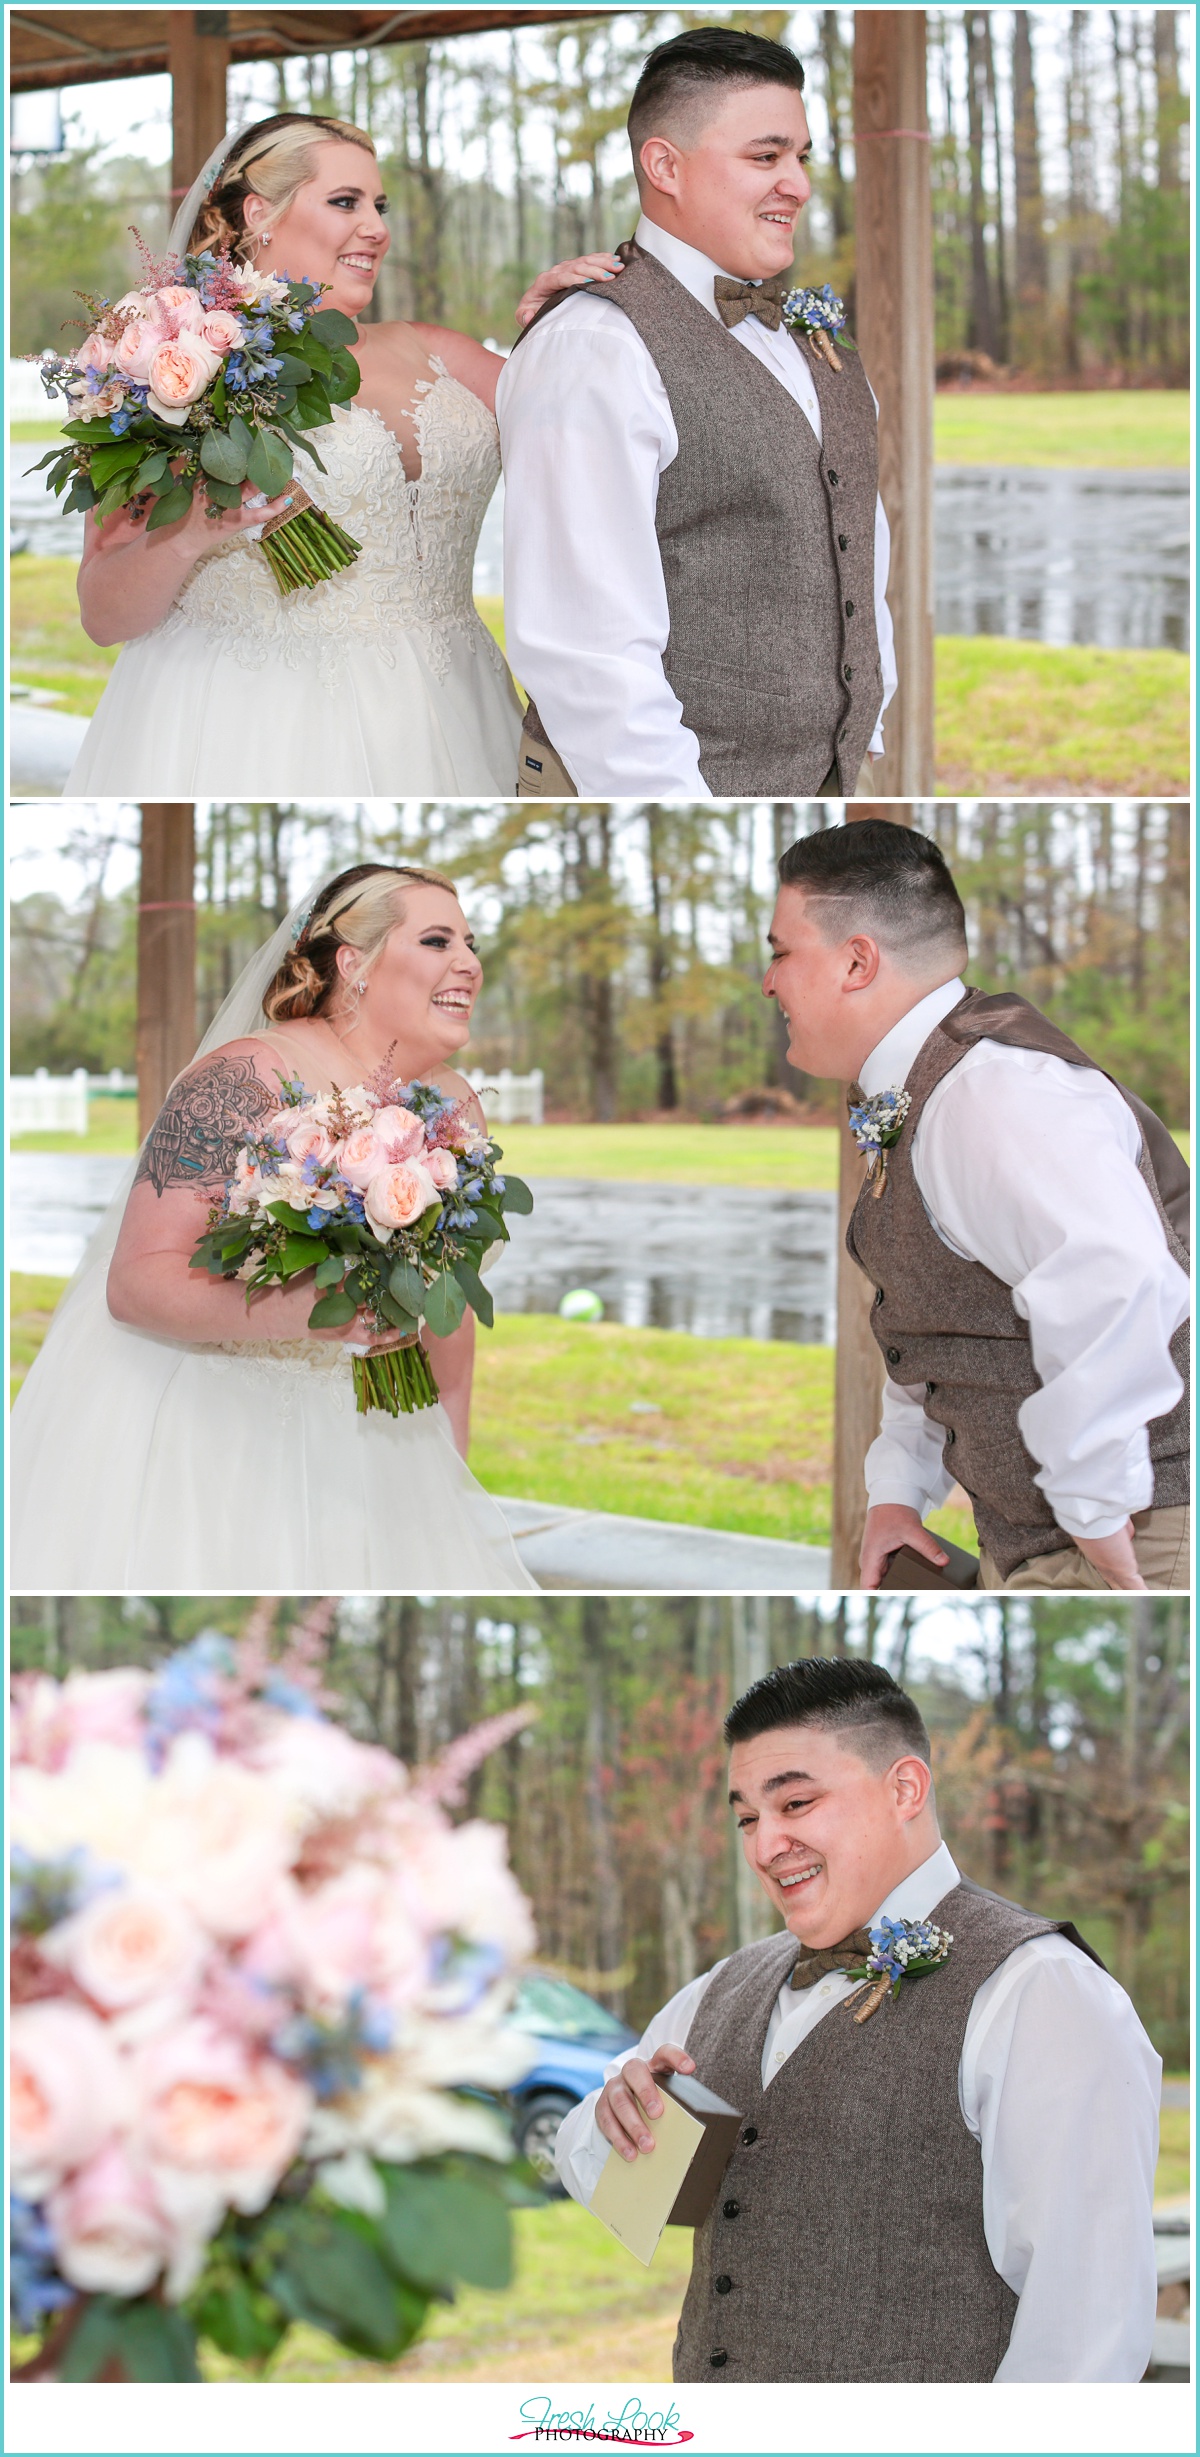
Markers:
{"x": 44, "y": 1892}
{"x": 876, "y": 1124}
{"x": 900, "y": 1950}
{"x": 34, "y": 2285}
{"x": 462, "y": 1971}
{"x": 118, "y": 422}
{"x": 188, "y": 1692}
{"x": 329, "y": 2049}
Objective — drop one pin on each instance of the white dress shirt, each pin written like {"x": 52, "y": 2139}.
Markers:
{"x": 1060, "y": 2087}
{"x": 1029, "y": 1166}
{"x": 585, "y": 434}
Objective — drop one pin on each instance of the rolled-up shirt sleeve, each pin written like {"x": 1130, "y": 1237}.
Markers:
{"x": 581, "y": 2149}
{"x": 1029, "y": 1166}
{"x": 585, "y": 430}
{"x": 904, "y": 1463}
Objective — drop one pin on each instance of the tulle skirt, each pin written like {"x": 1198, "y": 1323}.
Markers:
{"x": 141, "y": 1464}
{"x": 183, "y": 715}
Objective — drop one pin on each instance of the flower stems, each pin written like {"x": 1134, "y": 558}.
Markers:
{"x": 307, "y": 548}
{"x": 398, "y": 1379}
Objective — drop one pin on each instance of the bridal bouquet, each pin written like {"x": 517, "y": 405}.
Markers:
{"x": 211, "y": 374}
{"x": 260, "y": 1984}
{"x": 392, "y": 1193}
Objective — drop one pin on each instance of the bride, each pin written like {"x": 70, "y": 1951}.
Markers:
{"x": 382, "y": 679}
{"x": 169, "y": 1436}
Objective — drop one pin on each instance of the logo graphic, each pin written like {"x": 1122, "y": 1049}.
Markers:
{"x": 635, "y": 2426}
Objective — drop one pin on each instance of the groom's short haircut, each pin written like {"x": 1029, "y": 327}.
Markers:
{"x": 680, "y": 87}
{"x": 873, "y": 875}
{"x": 858, "y": 1703}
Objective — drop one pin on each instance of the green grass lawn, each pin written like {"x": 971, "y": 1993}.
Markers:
{"x": 112, "y": 1127}
{"x": 1174, "y": 2173}
{"x": 1013, "y": 717}
{"x": 1063, "y": 430}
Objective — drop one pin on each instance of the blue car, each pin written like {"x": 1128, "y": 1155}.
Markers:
{"x": 577, "y": 2038}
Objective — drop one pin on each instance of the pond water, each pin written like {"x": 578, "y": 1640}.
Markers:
{"x": 1069, "y": 556}
{"x": 722, "y": 1262}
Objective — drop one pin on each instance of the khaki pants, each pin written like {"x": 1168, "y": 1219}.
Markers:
{"x": 1160, "y": 1542}
{"x": 540, "y": 772}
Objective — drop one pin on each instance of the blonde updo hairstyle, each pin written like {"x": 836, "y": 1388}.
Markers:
{"x": 274, "y": 160}
{"x": 359, "y": 909}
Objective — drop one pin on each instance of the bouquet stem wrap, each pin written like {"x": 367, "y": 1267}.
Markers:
{"x": 306, "y": 546}
{"x": 398, "y": 1379}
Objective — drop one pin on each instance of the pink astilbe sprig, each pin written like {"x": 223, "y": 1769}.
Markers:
{"x": 446, "y": 1779}
{"x": 226, "y": 287}
{"x": 160, "y": 271}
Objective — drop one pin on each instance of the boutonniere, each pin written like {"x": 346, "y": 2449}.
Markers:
{"x": 876, "y": 1124}
{"x": 900, "y": 1949}
{"x": 821, "y": 317}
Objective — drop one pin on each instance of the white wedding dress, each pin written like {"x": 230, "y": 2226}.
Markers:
{"x": 148, "y": 1465}
{"x": 381, "y": 680}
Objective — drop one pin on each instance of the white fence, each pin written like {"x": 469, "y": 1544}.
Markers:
{"x": 45, "y": 1104}
{"x": 510, "y": 1099}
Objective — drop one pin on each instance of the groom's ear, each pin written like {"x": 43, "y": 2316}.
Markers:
{"x": 862, "y": 961}
{"x": 658, "y": 165}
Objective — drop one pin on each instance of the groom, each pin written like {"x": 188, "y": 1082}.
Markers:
{"x": 958, "y": 2187}
{"x": 695, "y": 552}
{"x": 1027, "y": 1240}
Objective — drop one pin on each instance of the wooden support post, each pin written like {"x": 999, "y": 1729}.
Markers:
{"x": 894, "y": 316}
{"x": 166, "y": 993}
{"x": 199, "y": 57}
{"x": 858, "y": 1366}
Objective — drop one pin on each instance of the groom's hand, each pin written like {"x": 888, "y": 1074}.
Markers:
{"x": 1114, "y": 1557}
{"x": 626, "y": 2101}
{"x": 889, "y": 1525}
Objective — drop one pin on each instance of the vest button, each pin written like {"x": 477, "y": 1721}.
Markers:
{"x": 879, "y": 1296}
{"x": 893, "y": 1356}
{"x": 749, "y": 2134}
{"x": 718, "y": 2359}
{"x": 842, "y": 736}
{"x": 930, "y": 1388}
{"x": 843, "y": 542}
{"x": 730, "y": 2208}
{"x": 723, "y": 2285}
{"x": 951, "y": 1437}
{"x": 848, "y": 671}
{"x": 833, "y": 477}
{"x": 849, "y": 605}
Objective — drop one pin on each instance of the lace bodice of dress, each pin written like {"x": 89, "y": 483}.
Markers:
{"x": 417, "y": 535}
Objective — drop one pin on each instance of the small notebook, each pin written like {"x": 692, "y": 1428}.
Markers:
{"x": 676, "y": 2183}
{"x": 907, "y": 1568}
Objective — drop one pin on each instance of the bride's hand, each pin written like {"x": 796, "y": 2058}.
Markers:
{"x": 573, "y": 275}
{"x": 203, "y": 527}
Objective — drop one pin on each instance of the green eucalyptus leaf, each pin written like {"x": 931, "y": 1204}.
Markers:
{"x": 329, "y": 1273}
{"x": 271, "y": 462}
{"x": 300, "y": 1253}
{"x": 445, "y": 1305}
{"x": 517, "y": 1196}
{"x": 224, "y": 455}
{"x": 407, "y": 1285}
{"x": 477, "y": 1296}
{"x": 240, "y": 2319}
{"x": 172, "y": 507}
{"x": 441, "y": 2229}
{"x": 332, "y": 327}
{"x": 328, "y": 1312}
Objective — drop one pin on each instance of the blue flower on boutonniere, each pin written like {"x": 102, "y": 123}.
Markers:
{"x": 876, "y": 1124}
{"x": 821, "y": 317}
{"x": 900, "y": 1949}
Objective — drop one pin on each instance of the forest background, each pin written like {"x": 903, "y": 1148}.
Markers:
{"x": 1060, "y": 1736}
{"x": 624, "y": 944}
{"x": 1061, "y": 205}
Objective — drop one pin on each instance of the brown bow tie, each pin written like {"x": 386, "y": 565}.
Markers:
{"x": 762, "y": 299}
{"x": 814, "y": 1964}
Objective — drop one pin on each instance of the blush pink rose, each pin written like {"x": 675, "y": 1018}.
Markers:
{"x": 182, "y": 310}
{"x": 129, "y": 1944}
{"x": 331, "y": 1942}
{"x": 210, "y": 2105}
{"x": 401, "y": 1134}
{"x": 180, "y": 370}
{"x": 398, "y": 1196}
{"x": 68, "y": 2092}
{"x": 221, "y": 330}
{"x": 136, "y": 347}
{"x": 309, "y": 1141}
{"x": 442, "y": 1167}
{"x": 110, "y": 2234}
{"x": 94, "y": 355}
{"x": 103, "y": 1706}
{"x": 361, "y": 1157}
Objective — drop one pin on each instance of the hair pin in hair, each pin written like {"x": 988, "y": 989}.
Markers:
{"x": 301, "y": 925}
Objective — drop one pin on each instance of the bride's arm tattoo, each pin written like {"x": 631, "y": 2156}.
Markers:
{"x": 202, "y": 1125}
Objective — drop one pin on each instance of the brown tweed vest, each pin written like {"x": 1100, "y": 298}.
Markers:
{"x": 847, "y": 2239}
{"x": 952, "y": 1325}
{"x": 768, "y": 548}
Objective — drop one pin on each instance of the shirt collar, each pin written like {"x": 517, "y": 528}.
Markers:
{"x": 891, "y": 1059}
{"x": 921, "y": 1891}
{"x": 696, "y": 272}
